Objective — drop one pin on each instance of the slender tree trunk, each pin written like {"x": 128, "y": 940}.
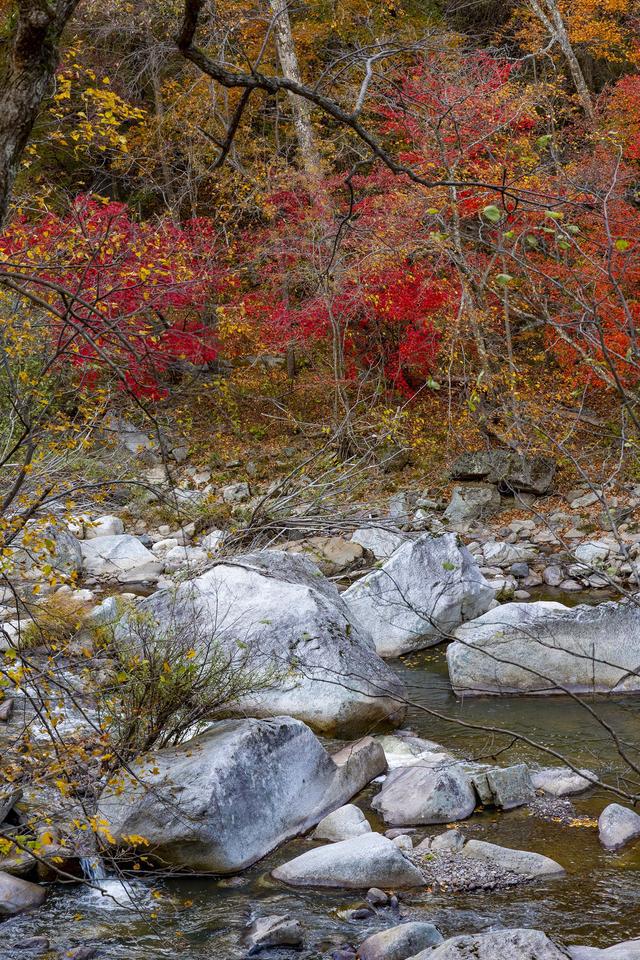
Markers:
{"x": 549, "y": 15}
{"x": 289, "y": 63}
{"x": 27, "y": 78}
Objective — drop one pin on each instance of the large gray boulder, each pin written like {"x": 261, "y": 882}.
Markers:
{"x": 398, "y": 943}
{"x": 360, "y": 863}
{"x": 226, "y": 798}
{"x": 420, "y": 795}
{"x": 278, "y": 613}
{"x": 420, "y": 595}
{"x": 504, "y": 787}
{"x": 18, "y": 896}
{"x": 545, "y": 647}
{"x": 523, "y": 862}
{"x": 512, "y": 472}
{"x": 497, "y": 945}
{"x": 120, "y": 559}
{"x": 618, "y": 825}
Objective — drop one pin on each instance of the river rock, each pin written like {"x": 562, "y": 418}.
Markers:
{"x": 106, "y": 526}
{"x": 451, "y": 841}
{"x": 226, "y": 798}
{"x": 266, "y": 933}
{"x": 49, "y": 545}
{"x": 509, "y": 470}
{"x": 505, "y": 787}
{"x": 120, "y": 559}
{"x": 380, "y": 541}
{"x": 400, "y": 942}
{"x": 497, "y": 945}
{"x": 562, "y": 781}
{"x": 418, "y": 597}
{"x": 544, "y": 647}
{"x": 499, "y": 554}
{"x": 417, "y": 795}
{"x": 407, "y": 751}
{"x": 344, "y": 823}
{"x": 362, "y": 862}
{"x": 618, "y": 825}
{"x": 274, "y": 611}
{"x": 628, "y": 950}
{"x": 182, "y": 558}
{"x": 477, "y": 501}
{"x": 18, "y": 896}
{"x": 522, "y": 862}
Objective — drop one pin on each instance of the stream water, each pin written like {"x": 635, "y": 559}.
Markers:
{"x": 596, "y": 903}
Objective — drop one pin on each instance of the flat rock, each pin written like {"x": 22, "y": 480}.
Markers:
{"x": 223, "y": 800}
{"x": 522, "y": 862}
{"x": 120, "y": 559}
{"x": 362, "y": 862}
{"x": 473, "y": 501}
{"x": 398, "y": 943}
{"x": 417, "y": 598}
{"x": 562, "y": 781}
{"x": 618, "y": 825}
{"x": 418, "y": 795}
{"x": 544, "y": 647}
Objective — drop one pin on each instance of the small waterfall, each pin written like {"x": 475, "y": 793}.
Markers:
{"x": 93, "y": 869}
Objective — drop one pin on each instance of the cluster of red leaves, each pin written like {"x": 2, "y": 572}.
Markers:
{"x": 126, "y": 296}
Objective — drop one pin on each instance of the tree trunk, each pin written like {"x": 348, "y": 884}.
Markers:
{"x": 27, "y": 78}
{"x": 550, "y": 17}
{"x": 289, "y": 63}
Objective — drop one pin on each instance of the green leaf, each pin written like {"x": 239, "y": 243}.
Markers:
{"x": 532, "y": 241}
{"x": 543, "y": 142}
{"x": 432, "y": 384}
{"x": 622, "y": 245}
{"x": 555, "y": 214}
{"x": 503, "y": 279}
{"x": 492, "y": 213}
{"x": 509, "y": 234}
{"x": 572, "y": 228}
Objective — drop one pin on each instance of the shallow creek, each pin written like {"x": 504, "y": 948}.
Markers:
{"x": 597, "y": 903}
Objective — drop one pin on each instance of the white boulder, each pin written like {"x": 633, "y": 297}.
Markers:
{"x": 618, "y": 825}
{"x": 362, "y": 862}
{"x": 382, "y": 542}
{"x": 107, "y": 526}
{"x": 277, "y": 612}
{"x": 544, "y": 647}
{"x": 226, "y": 798}
{"x": 120, "y": 559}
{"x": 344, "y": 823}
{"x": 420, "y": 595}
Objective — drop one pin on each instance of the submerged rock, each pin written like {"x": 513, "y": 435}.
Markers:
{"x": 618, "y": 825}
{"x": 226, "y": 798}
{"x": 362, "y": 862}
{"x": 276, "y": 612}
{"x": 544, "y": 647}
{"x": 417, "y": 598}
{"x": 276, "y": 931}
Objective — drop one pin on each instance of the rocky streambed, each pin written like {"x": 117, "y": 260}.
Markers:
{"x": 421, "y": 639}
{"x": 595, "y": 902}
